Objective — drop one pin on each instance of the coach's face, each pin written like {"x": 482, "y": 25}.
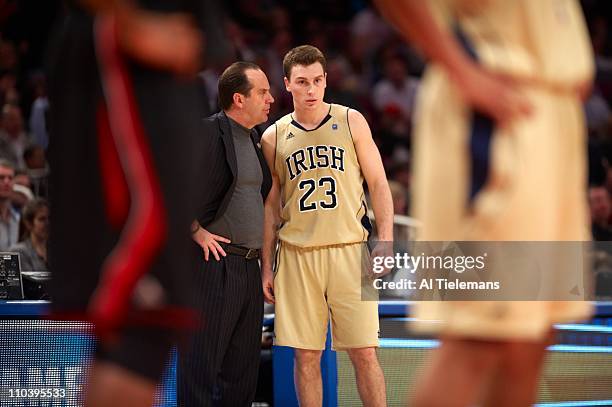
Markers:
{"x": 256, "y": 105}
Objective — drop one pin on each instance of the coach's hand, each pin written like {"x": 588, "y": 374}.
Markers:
{"x": 267, "y": 281}
{"x": 209, "y": 242}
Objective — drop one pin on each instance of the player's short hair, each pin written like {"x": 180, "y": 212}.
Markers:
{"x": 303, "y": 55}
{"x": 234, "y": 80}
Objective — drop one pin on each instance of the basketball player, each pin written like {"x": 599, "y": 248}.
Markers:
{"x": 499, "y": 155}
{"x": 319, "y": 156}
{"x": 124, "y": 137}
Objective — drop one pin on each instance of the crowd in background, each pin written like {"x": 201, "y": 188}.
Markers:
{"x": 370, "y": 68}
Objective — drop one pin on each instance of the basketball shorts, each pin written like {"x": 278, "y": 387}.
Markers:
{"x": 314, "y": 285}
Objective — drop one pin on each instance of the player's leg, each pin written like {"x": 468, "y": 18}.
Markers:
{"x": 457, "y": 373}
{"x": 517, "y": 378}
{"x": 128, "y": 367}
{"x": 302, "y": 316}
{"x": 355, "y": 319}
{"x": 307, "y": 376}
{"x": 128, "y": 388}
{"x": 369, "y": 375}
{"x": 127, "y": 373}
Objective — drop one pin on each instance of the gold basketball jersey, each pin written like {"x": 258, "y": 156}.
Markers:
{"x": 323, "y": 202}
{"x": 523, "y": 194}
{"x": 542, "y": 40}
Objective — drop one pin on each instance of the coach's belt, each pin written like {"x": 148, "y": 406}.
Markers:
{"x": 245, "y": 252}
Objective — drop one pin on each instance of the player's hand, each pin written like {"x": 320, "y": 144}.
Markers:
{"x": 209, "y": 242}
{"x": 267, "y": 282}
{"x": 494, "y": 94}
{"x": 166, "y": 41}
{"x": 384, "y": 250}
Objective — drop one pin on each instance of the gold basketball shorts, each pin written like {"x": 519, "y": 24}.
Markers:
{"x": 312, "y": 285}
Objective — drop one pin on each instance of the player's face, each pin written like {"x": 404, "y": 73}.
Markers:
{"x": 307, "y": 85}
{"x": 257, "y": 103}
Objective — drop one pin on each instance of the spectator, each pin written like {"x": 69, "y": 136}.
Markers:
{"x": 599, "y": 202}
{"x": 33, "y": 248}
{"x": 9, "y": 217}
{"x": 240, "y": 46}
{"x": 8, "y": 81}
{"x": 396, "y": 88}
{"x": 37, "y": 169}
{"x": 280, "y": 43}
{"x": 337, "y": 91}
{"x": 393, "y": 133}
{"x": 22, "y": 192}
{"x": 399, "y": 193}
{"x": 8, "y": 55}
{"x": 13, "y": 138}
{"x": 399, "y": 170}
{"x": 370, "y": 30}
{"x": 40, "y": 106}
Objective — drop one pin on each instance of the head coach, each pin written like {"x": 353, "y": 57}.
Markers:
{"x": 220, "y": 366}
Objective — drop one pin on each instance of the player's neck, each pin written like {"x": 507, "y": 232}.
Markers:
{"x": 311, "y": 118}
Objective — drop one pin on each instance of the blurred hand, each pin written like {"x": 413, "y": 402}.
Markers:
{"x": 267, "y": 282}
{"x": 209, "y": 242}
{"x": 165, "y": 41}
{"x": 493, "y": 94}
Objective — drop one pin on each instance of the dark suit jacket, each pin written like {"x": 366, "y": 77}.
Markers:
{"x": 219, "y": 168}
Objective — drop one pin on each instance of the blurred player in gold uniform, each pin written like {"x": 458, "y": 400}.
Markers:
{"x": 499, "y": 156}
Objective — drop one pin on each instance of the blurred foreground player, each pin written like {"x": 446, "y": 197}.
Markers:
{"x": 499, "y": 156}
{"x": 124, "y": 134}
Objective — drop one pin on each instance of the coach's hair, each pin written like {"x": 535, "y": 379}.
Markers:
{"x": 303, "y": 55}
{"x": 234, "y": 80}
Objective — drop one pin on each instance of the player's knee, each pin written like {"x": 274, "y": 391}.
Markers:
{"x": 361, "y": 356}
{"x": 435, "y": 399}
{"x": 306, "y": 359}
{"x": 522, "y": 361}
{"x": 475, "y": 356}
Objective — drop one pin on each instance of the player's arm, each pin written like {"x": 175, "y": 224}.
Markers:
{"x": 374, "y": 174}
{"x": 272, "y": 217}
{"x": 170, "y": 42}
{"x": 489, "y": 93}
